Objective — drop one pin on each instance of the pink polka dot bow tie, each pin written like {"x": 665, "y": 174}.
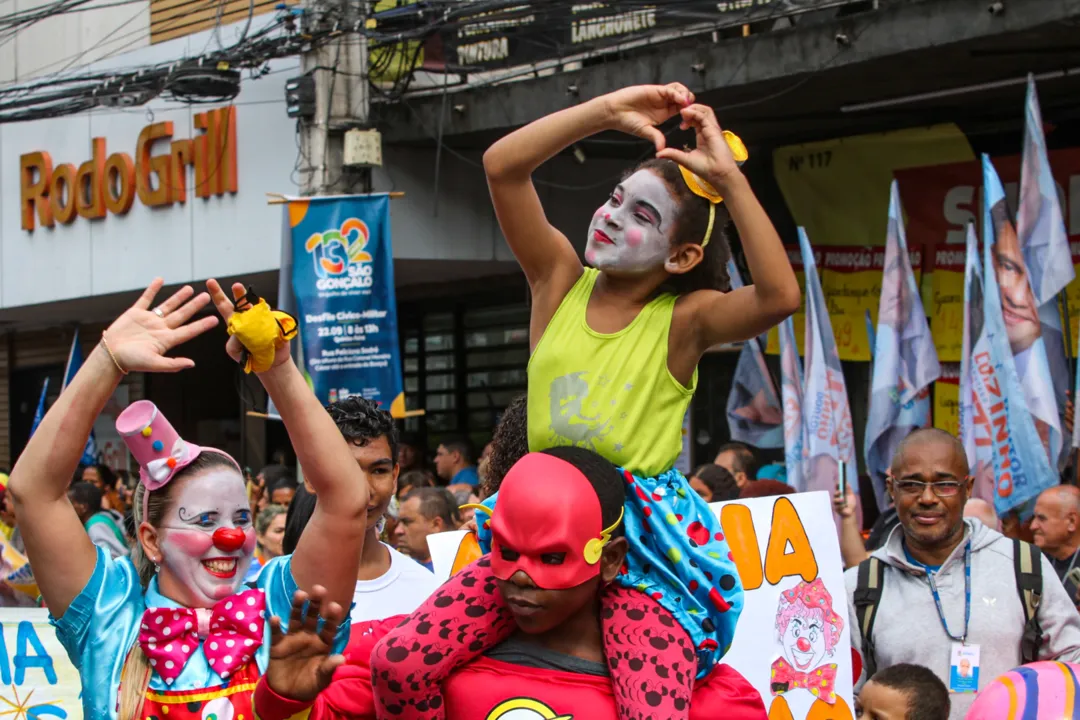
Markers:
{"x": 230, "y": 633}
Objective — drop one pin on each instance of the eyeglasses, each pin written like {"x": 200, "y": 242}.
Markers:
{"x": 915, "y": 488}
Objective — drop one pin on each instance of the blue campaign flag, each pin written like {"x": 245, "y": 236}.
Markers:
{"x": 905, "y": 360}
{"x": 74, "y": 363}
{"x": 1040, "y": 229}
{"x": 827, "y": 425}
{"x": 791, "y": 389}
{"x": 343, "y": 280}
{"x": 1021, "y": 466}
{"x": 1026, "y": 335}
{"x": 1040, "y": 224}
{"x": 753, "y": 407}
{"x": 976, "y": 433}
{"x": 39, "y": 414}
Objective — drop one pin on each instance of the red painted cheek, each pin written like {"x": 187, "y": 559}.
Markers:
{"x": 190, "y": 542}
{"x": 634, "y": 238}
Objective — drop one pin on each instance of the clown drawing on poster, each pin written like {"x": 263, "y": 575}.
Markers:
{"x": 808, "y": 631}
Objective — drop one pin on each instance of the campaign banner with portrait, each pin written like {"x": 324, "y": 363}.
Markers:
{"x": 36, "y": 678}
{"x": 940, "y": 201}
{"x": 792, "y": 641}
{"x": 343, "y": 280}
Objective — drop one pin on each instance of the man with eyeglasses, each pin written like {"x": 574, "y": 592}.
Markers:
{"x": 1056, "y": 527}
{"x": 945, "y": 589}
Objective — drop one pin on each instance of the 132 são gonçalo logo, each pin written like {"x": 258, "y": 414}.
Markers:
{"x": 341, "y": 262}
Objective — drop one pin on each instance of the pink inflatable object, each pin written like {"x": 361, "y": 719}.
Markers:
{"x": 1039, "y": 691}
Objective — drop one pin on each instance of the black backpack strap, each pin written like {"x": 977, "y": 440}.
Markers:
{"x": 867, "y": 598}
{"x": 1027, "y": 564}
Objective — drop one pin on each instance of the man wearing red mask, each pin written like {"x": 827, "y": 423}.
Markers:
{"x": 557, "y": 543}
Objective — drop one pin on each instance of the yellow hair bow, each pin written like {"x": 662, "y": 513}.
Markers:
{"x": 699, "y": 187}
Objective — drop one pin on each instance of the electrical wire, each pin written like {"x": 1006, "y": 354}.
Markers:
{"x": 395, "y": 40}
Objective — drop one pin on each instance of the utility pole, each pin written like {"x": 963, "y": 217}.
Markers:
{"x": 339, "y": 68}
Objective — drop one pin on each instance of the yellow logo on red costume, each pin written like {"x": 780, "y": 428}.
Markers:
{"x": 525, "y": 709}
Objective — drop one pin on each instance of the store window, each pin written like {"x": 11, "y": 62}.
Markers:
{"x": 463, "y": 367}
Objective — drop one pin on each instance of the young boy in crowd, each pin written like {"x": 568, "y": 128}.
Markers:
{"x": 903, "y": 692}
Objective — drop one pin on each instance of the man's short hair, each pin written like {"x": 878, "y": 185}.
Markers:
{"x": 745, "y": 458}
{"x": 720, "y": 482}
{"x": 436, "y": 503}
{"x": 463, "y": 446}
{"x": 87, "y": 494}
{"x": 929, "y": 434}
{"x": 928, "y": 699}
{"x": 361, "y": 421}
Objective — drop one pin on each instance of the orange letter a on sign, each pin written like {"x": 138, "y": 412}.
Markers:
{"x": 786, "y": 529}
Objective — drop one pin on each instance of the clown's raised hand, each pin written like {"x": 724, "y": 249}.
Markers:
{"x": 139, "y": 339}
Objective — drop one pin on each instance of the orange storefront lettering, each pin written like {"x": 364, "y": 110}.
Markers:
{"x": 110, "y": 183}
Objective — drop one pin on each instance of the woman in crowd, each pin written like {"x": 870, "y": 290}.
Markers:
{"x": 269, "y": 534}
{"x": 170, "y": 632}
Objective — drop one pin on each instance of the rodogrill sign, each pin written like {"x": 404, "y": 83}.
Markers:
{"x": 103, "y": 184}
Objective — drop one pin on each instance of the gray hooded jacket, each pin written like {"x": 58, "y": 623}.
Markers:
{"x": 908, "y": 630}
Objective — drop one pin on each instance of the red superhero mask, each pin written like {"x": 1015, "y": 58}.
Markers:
{"x": 547, "y": 508}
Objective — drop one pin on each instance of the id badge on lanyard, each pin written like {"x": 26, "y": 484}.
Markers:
{"x": 963, "y": 656}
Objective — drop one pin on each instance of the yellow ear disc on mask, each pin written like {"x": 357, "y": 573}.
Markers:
{"x": 595, "y": 547}
{"x": 593, "y": 550}
{"x": 261, "y": 331}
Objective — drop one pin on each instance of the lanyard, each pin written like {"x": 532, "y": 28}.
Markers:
{"x": 967, "y": 597}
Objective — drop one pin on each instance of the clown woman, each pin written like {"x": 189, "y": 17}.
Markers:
{"x": 172, "y": 633}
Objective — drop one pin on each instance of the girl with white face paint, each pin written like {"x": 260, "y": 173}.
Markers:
{"x": 173, "y": 632}
{"x": 615, "y": 349}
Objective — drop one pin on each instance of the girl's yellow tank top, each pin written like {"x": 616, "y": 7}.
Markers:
{"x": 611, "y": 393}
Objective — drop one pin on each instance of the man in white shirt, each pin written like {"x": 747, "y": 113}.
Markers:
{"x": 387, "y": 582}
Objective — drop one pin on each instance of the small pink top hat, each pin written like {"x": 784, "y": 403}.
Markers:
{"x": 157, "y": 447}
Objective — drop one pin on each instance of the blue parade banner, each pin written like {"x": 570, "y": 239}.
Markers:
{"x": 1022, "y": 468}
{"x": 343, "y": 280}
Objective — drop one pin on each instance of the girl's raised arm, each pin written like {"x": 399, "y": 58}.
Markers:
{"x": 547, "y": 258}
{"x": 59, "y": 550}
{"x": 751, "y": 310}
{"x": 328, "y": 552}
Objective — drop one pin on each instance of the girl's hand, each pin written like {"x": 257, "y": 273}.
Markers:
{"x": 226, "y": 309}
{"x": 639, "y": 109}
{"x": 140, "y": 337}
{"x": 711, "y": 160}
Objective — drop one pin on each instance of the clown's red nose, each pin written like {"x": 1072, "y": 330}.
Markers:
{"x": 803, "y": 644}
{"x": 229, "y": 539}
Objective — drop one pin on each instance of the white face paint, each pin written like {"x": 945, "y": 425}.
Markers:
{"x": 632, "y": 231}
{"x": 210, "y": 567}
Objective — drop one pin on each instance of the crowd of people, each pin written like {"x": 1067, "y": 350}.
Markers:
{"x": 605, "y": 586}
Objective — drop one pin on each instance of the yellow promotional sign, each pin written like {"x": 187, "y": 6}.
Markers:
{"x": 839, "y": 189}
{"x": 947, "y": 399}
{"x": 946, "y": 308}
{"x": 851, "y": 282}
